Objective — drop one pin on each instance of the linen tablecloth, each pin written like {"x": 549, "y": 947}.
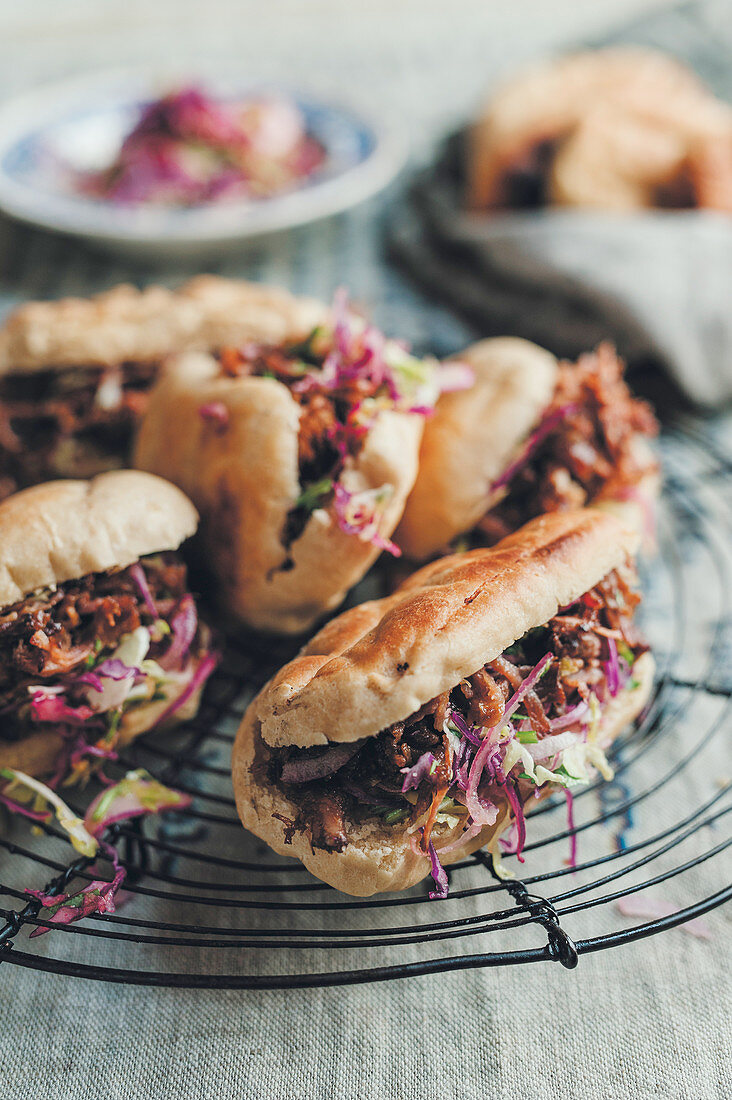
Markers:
{"x": 650, "y": 1019}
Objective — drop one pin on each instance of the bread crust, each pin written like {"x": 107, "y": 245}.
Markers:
{"x": 130, "y": 325}
{"x": 379, "y": 662}
{"x": 379, "y": 857}
{"x": 470, "y": 439}
{"x": 244, "y": 481}
{"x": 62, "y": 530}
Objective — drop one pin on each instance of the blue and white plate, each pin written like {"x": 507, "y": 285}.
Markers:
{"x": 80, "y": 123}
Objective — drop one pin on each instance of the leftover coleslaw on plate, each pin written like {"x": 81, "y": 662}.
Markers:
{"x": 165, "y": 164}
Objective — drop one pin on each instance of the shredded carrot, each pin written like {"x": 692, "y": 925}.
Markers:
{"x": 429, "y": 823}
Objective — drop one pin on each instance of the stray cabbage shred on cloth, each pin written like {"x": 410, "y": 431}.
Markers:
{"x": 343, "y": 376}
{"x": 529, "y": 722}
{"x": 135, "y": 795}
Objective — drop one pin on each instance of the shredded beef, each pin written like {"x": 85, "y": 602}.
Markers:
{"x": 591, "y": 454}
{"x": 324, "y": 812}
{"x": 486, "y": 697}
{"x": 52, "y": 634}
{"x": 317, "y": 454}
{"x": 68, "y": 422}
{"x": 324, "y": 435}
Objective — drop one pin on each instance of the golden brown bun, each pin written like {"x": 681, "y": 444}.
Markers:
{"x": 65, "y": 529}
{"x": 643, "y": 97}
{"x": 470, "y": 439}
{"x": 244, "y": 480}
{"x": 37, "y": 754}
{"x": 126, "y": 324}
{"x": 381, "y": 661}
{"x": 379, "y": 857}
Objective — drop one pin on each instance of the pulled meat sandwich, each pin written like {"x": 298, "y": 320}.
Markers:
{"x": 74, "y": 374}
{"x": 415, "y": 729}
{"x": 531, "y": 436}
{"x": 299, "y": 456}
{"x": 99, "y": 636}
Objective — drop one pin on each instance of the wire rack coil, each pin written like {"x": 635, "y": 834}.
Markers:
{"x": 208, "y": 906}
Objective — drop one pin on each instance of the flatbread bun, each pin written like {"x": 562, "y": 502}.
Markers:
{"x": 470, "y": 439}
{"x": 380, "y": 857}
{"x": 379, "y": 662}
{"x": 65, "y": 529}
{"x": 62, "y": 530}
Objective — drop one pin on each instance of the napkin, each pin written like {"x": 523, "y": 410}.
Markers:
{"x": 656, "y": 283}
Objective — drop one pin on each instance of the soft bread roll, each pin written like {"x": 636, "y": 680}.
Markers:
{"x": 245, "y": 480}
{"x": 547, "y": 102}
{"x": 470, "y": 439}
{"x": 129, "y": 325}
{"x": 380, "y": 662}
{"x": 65, "y": 529}
{"x": 379, "y": 857}
{"x": 613, "y": 162}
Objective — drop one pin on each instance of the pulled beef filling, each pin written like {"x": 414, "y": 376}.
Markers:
{"x": 68, "y": 422}
{"x": 325, "y": 434}
{"x": 54, "y": 635}
{"x": 591, "y": 454}
{"x": 370, "y": 783}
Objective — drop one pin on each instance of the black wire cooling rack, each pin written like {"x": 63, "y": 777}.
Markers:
{"x": 208, "y": 906}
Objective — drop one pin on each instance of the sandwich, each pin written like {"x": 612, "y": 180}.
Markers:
{"x": 532, "y": 435}
{"x": 618, "y": 129}
{"x": 100, "y": 638}
{"x": 299, "y": 456}
{"x": 74, "y": 374}
{"x": 415, "y": 729}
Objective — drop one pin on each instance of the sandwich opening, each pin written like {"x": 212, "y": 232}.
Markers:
{"x": 327, "y": 433}
{"x": 86, "y": 658}
{"x": 525, "y": 724}
{"x": 342, "y": 376}
{"x": 584, "y": 450}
